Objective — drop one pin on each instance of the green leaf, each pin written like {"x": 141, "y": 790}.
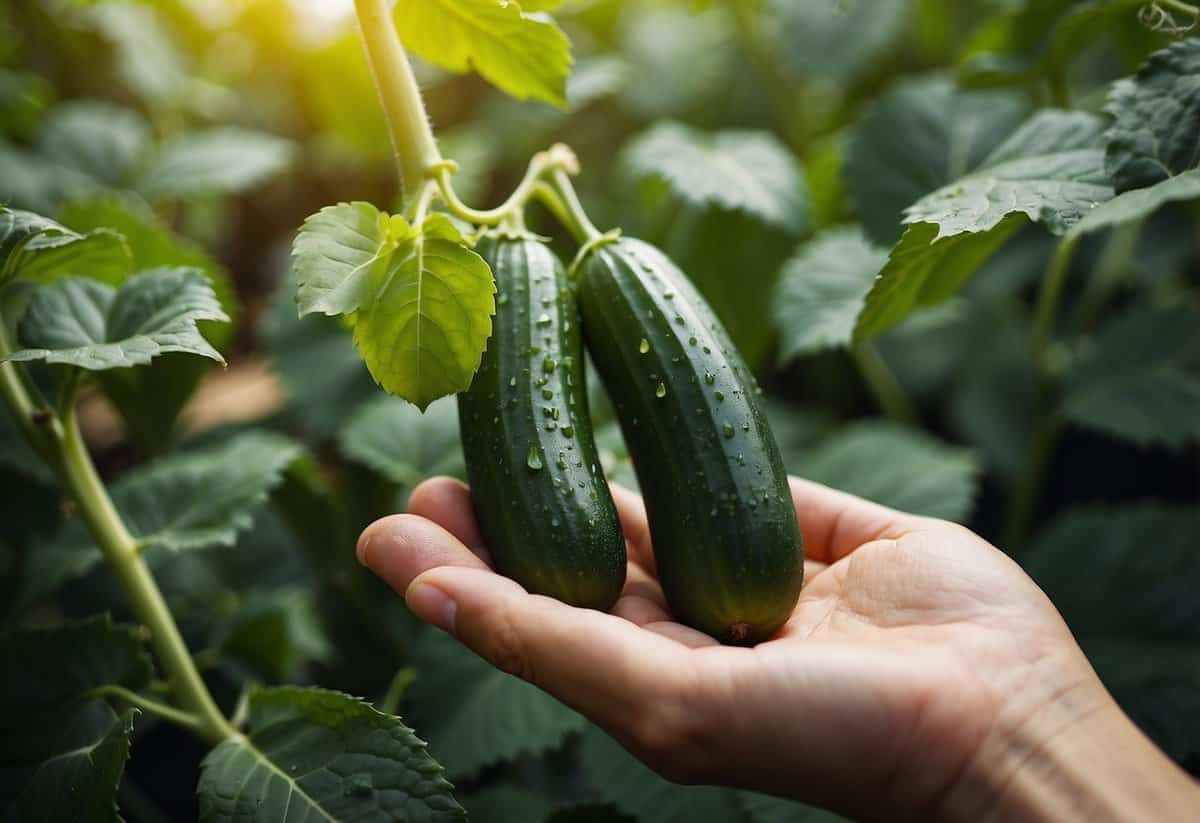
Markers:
{"x": 337, "y": 254}
{"x": 1040, "y": 39}
{"x": 93, "y": 326}
{"x": 65, "y": 752}
{"x": 821, "y": 291}
{"x": 919, "y": 136}
{"x": 403, "y": 444}
{"x": 1139, "y": 204}
{"x": 425, "y": 329}
{"x": 1140, "y": 378}
{"x": 898, "y": 467}
{"x": 1051, "y": 170}
{"x": 319, "y": 755}
{"x": 218, "y": 161}
{"x": 524, "y": 55}
{"x": 690, "y": 55}
{"x": 23, "y": 98}
{"x": 924, "y": 271}
{"x": 589, "y": 813}
{"x": 746, "y": 171}
{"x": 29, "y": 181}
{"x": 621, "y": 779}
{"x": 38, "y": 248}
{"x": 1125, "y": 579}
{"x": 275, "y": 634}
{"x": 18, "y": 455}
{"x": 98, "y": 139}
{"x": 191, "y": 500}
{"x": 829, "y": 41}
{"x": 1156, "y": 130}
{"x": 475, "y": 715}
{"x": 762, "y": 808}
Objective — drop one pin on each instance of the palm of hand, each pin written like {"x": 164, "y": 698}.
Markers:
{"x": 913, "y": 641}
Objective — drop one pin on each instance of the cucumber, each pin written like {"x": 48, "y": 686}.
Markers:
{"x": 540, "y": 496}
{"x": 726, "y": 539}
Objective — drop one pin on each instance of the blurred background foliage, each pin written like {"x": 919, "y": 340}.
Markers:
{"x": 206, "y": 130}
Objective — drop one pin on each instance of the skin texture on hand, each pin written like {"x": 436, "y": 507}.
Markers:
{"x": 922, "y": 675}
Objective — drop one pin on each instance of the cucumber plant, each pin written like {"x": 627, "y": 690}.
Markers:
{"x": 954, "y": 241}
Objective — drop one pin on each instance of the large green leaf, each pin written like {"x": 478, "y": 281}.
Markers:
{"x": 319, "y": 755}
{"x": 506, "y": 802}
{"x": 1050, "y": 171}
{"x": 1156, "y": 130}
{"x": 338, "y": 252}
{"x": 218, "y": 161}
{"x": 690, "y": 56}
{"x": 1125, "y": 580}
{"x": 821, "y": 291}
{"x": 917, "y": 137}
{"x": 425, "y": 329}
{"x": 274, "y": 634}
{"x": 99, "y": 139}
{"x": 38, "y": 248}
{"x": 898, "y": 467}
{"x": 403, "y": 444}
{"x": 65, "y": 751}
{"x": 475, "y": 715}
{"x": 1138, "y": 204}
{"x": 191, "y": 500}
{"x": 1140, "y": 378}
{"x": 734, "y": 170}
{"x": 619, "y": 778}
{"x": 526, "y": 56}
{"x": 94, "y": 326}
{"x": 29, "y": 181}
{"x": 831, "y": 41}
{"x": 761, "y": 808}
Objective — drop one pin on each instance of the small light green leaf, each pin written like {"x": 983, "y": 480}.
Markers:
{"x": 93, "y": 326}
{"x": 1156, "y": 133}
{"x": 832, "y": 41}
{"x": 320, "y": 755}
{"x": 621, "y": 779}
{"x": 1051, "y": 169}
{"x": 1140, "y": 378}
{"x": 38, "y": 248}
{"x": 430, "y": 316}
{"x": 55, "y": 734}
{"x": 522, "y": 54}
{"x": 218, "y": 161}
{"x": 1139, "y": 204}
{"x": 821, "y": 291}
{"x": 917, "y": 137}
{"x": 339, "y": 252}
{"x": 898, "y": 467}
{"x": 743, "y": 171}
{"x": 475, "y": 715}
{"x": 923, "y": 271}
{"x": 403, "y": 444}
{"x": 99, "y": 139}
{"x": 191, "y": 500}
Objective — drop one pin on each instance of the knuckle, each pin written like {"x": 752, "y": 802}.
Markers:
{"x": 505, "y": 647}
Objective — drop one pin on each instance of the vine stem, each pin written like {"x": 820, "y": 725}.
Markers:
{"x": 883, "y": 384}
{"x": 557, "y": 157}
{"x": 60, "y": 440}
{"x": 408, "y": 126}
{"x": 576, "y": 219}
{"x": 147, "y": 704}
{"x": 1047, "y": 426}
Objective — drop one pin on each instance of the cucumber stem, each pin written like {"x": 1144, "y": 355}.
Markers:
{"x": 882, "y": 383}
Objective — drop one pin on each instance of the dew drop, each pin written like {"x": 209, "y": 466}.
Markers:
{"x": 709, "y": 378}
{"x": 720, "y": 395}
{"x": 547, "y": 394}
{"x": 568, "y": 431}
{"x": 534, "y": 460}
{"x": 543, "y": 319}
{"x": 644, "y": 346}
{"x": 660, "y": 391}
{"x": 691, "y": 341}
{"x": 502, "y": 298}
{"x": 512, "y": 381}
{"x": 668, "y": 295}
{"x": 728, "y": 431}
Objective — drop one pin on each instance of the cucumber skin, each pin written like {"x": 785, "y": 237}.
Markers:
{"x": 726, "y": 538}
{"x": 554, "y": 530}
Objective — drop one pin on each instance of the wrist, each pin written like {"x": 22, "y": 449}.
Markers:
{"x": 1079, "y": 757}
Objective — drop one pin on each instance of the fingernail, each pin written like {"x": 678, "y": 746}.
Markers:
{"x": 432, "y": 605}
{"x": 364, "y": 540}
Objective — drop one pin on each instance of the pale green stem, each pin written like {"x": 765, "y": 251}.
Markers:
{"x": 408, "y": 125}
{"x": 1050, "y": 296}
{"x": 884, "y": 386}
{"x": 174, "y": 715}
{"x": 556, "y": 157}
{"x": 60, "y": 440}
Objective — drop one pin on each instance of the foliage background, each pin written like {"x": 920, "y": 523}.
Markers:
{"x": 858, "y": 108}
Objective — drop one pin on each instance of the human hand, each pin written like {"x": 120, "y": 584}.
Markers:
{"x": 922, "y": 674}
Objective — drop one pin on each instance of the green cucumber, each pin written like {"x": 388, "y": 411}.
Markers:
{"x": 540, "y": 495}
{"x": 726, "y": 540}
